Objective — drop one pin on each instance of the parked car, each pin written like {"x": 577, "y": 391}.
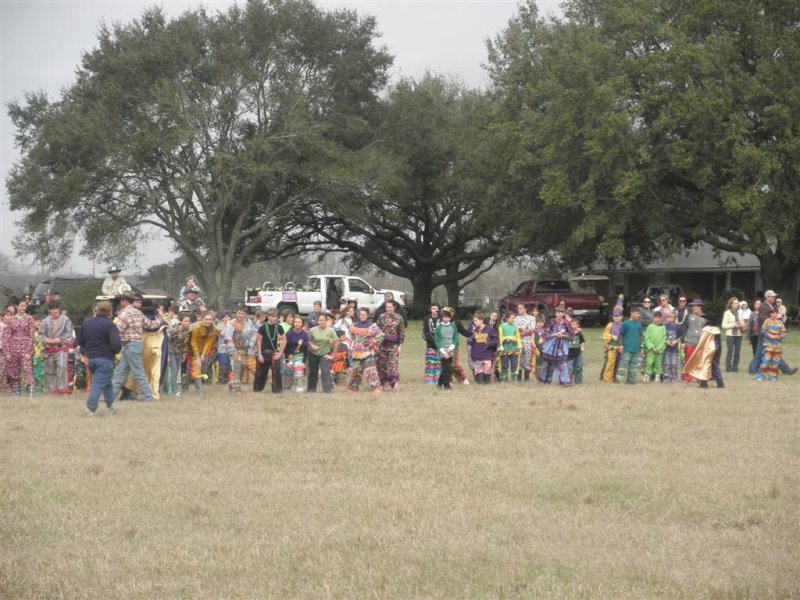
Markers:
{"x": 300, "y": 298}
{"x": 545, "y": 294}
{"x": 51, "y": 289}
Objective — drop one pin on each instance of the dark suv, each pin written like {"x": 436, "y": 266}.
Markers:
{"x": 52, "y": 289}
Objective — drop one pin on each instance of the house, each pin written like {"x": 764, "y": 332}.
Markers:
{"x": 701, "y": 271}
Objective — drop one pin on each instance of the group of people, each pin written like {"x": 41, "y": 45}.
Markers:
{"x": 685, "y": 343}
{"x": 506, "y": 350}
{"x": 192, "y": 345}
{"x": 204, "y": 347}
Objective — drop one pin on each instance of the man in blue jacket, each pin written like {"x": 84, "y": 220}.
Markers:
{"x": 100, "y": 342}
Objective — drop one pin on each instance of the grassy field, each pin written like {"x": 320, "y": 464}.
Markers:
{"x": 597, "y": 491}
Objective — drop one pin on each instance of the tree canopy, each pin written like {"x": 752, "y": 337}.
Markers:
{"x": 635, "y": 127}
{"x": 211, "y": 129}
{"x": 426, "y": 214}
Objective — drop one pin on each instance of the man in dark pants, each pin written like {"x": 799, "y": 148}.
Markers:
{"x": 322, "y": 343}
{"x": 763, "y": 314}
{"x": 100, "y": 342}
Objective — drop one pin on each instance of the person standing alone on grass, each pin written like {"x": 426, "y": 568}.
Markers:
{"x": 322, "y": 343}
{"x": 100, "y": 342}
{"x": 631, "y": 337}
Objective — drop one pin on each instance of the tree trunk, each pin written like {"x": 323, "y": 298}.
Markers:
{"x": 453, "y": 293}
{"x": 423, "y": 290}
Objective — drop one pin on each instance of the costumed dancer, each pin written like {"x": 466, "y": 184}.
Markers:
{"x": 631, "y": 337}
{"x": 703, "y": 364}
{"x": 692, "y": 330}
{"x": 393, "y": 327}
{"x": 7, "y": 316}
{"x": 446, "y": 339}
{"x": 482, "y": 346}
{"x": 509, "y": 349}
{"x": 201, "y": 348}
{"x": 367, "y": 337}
{"x": 270, "y": 345}
{"x": 672, "y": 350}
{"x": 59, "y": 339}
{"x": 18, "y": 339}
{"x": 527, "y": 326}
{"x": 39, "y": 356}
{"x": 556, "y": 349}
{"x": 178, "y": 337}
{"x": 243, "y": 339}
{"x": 433, "y": 360}
{"x": 294, "y": 373}
{"x": 611, "y": 347}
{"x": 772, "y": 333}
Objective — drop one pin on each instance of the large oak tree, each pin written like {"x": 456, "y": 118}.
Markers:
{"x": 210, "y": 128}
{"x": 427, "y": 215}
{"x": 638, "y": 126}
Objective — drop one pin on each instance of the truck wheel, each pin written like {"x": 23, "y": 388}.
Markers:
{"x": 284, "y": 305}
{"x": 544, "y": 314}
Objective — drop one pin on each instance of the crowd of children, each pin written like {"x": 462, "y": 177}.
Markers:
{"x": 202, "y": 347}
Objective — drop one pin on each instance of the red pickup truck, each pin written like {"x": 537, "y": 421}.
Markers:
{"x": 547, "y": 293}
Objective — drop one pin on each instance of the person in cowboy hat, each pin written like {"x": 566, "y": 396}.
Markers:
{"x": 115, "y": 283}
{"x": 693, "y": 329}
{"x": 703, "y": 364}
{"x": 132, "y": 324}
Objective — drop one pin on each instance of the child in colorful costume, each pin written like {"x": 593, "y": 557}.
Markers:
{"x": 772, "y": 331}
{"x": 366, "y": 337}
{"x": 446, "y": 339}
{"x": 509, "y": 349}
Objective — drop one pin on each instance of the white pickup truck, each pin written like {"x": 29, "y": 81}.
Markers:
{"x": 300, "y": 298}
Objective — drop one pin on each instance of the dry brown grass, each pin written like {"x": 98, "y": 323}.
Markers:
{"x": 598, "y": 491}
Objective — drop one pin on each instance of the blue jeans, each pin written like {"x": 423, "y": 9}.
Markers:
{"x": 102, "y": 369}
{"x": 131, "y": 361}
{"x": 171, "y": 383}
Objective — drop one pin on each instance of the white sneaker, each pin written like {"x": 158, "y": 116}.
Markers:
{"x": 466, "y": 382}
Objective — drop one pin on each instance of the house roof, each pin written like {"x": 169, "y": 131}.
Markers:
{"x": 701, "y": 257}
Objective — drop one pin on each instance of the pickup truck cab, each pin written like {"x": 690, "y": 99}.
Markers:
{"x": 300, "y": 299}
{"x": 545, "y": 294}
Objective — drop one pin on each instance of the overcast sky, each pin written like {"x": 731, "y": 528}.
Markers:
{"x": 42, "y": 42}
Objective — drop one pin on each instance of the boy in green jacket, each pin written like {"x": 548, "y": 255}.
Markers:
{"x": 655, "y": 342}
